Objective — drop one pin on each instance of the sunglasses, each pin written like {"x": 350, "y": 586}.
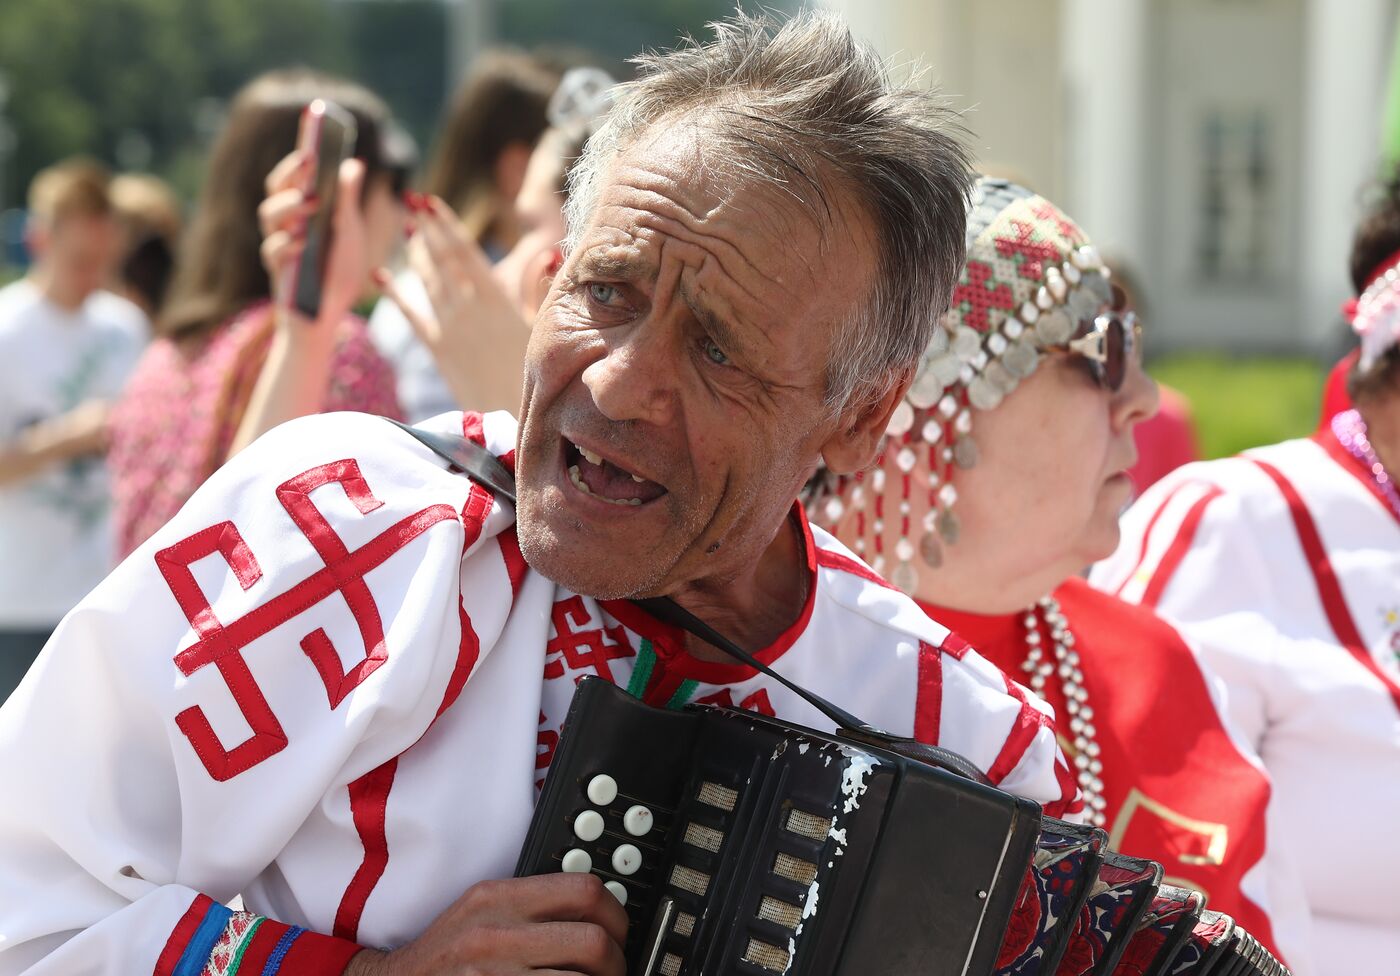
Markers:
{"x": 1109, "y": 342}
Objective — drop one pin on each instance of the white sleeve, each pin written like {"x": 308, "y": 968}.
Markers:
{"x": 1191, "y": 550}
{"x": 1007, "y": 731}
{"x": 222, "y": 683}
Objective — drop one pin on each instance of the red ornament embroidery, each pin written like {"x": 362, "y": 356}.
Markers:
{"x": 221, "y": 644}
{"x": 979, "y": 297}
{"x": 592, "y": 648}
{"x": 1035, "y": 254}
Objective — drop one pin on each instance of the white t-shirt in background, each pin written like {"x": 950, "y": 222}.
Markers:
{"x": 54, "y": 534}
{"x": 423, "y": 393}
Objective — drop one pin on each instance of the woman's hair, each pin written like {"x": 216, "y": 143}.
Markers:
{"x": 1376, "y": 239}
{"x": 219, "y": 270}
{"x": 502, "y": 103}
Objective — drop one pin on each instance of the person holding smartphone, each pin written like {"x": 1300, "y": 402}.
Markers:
{"x": 230, "y": 362}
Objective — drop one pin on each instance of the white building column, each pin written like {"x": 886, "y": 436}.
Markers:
{"x": 1105, "y": 60}
{"x": 471, "y": 27}
{"x": 1347, "y": 50}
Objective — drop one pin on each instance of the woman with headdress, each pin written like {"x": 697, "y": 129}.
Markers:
{"x": 1002, "y": 478}
{"x": 1283, "y": 564}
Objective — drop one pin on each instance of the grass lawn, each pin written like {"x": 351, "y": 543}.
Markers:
{"x": 1244, "y": 402}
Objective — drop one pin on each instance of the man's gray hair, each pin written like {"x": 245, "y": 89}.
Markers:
{"x": 805, "y": 103}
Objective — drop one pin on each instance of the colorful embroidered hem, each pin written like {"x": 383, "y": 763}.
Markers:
{"x": 212, "y": 940}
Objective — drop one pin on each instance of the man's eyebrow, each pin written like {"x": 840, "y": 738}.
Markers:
{"x": 718, "y": 329}
{"x": 612, "y": 266}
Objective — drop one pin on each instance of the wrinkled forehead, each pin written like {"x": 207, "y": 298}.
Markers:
{"x": 692, "y": 181}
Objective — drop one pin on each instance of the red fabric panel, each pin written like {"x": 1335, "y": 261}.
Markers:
{"x": 369, "y": 804}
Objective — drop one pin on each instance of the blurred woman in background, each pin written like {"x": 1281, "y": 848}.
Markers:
{"x": 471, "y": 318}
{"x": 225, "y": 367}
{"x": 477, "y": 169}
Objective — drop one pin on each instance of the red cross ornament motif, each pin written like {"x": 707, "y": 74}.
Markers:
{"x": 221, "y": 644}
{"x": 1046, "y": 211}
{"x": 1035, "y": 254}
{"x": 579, "y": 649}
{"x": 979, "y": 297}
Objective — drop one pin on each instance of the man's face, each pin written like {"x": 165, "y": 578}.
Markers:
{"x": 79, "y": 252}
{"x": 674, "y": 384}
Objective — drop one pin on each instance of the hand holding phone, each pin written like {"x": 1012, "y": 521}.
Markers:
{"x": 326, "y": 139}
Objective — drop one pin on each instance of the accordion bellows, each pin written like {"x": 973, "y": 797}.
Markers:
{"x": 744, "y": 845}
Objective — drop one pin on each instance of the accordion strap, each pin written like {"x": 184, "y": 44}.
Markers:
{"x": 485, "y": 468}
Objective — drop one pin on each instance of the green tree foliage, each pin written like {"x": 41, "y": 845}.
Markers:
{"x": 97, "y": 76}
{"x": 142, "y": 82}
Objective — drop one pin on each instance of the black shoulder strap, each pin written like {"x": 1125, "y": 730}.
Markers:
{"x": 486, "y": 469}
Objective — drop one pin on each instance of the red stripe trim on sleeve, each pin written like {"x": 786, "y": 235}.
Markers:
{"x": 1147, "y": 536}
{"x": 515, "y": 562}
{"x": 468, "y": 653}
{"x": 180, "y": 936}
{"x": 1071, "y": 800}
{"x": 928, "y": 698}
{"x": 1028, "y": 724}
{"x": 369, "y": 804}
{"x": 955, "y": 647}
{"x": 317, "y": 955}
{"x": 1329, "y": 590}
{"x": 260, "y": 947}
{"x": 1176, "y": 552}
{"x": 835, "y": 560}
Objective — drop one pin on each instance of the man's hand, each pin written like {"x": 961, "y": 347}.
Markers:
{"x": 553, "y": 924}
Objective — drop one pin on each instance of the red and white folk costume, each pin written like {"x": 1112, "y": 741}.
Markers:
{"x": 1283, "y": 566}
{"x": 332, "y": 685}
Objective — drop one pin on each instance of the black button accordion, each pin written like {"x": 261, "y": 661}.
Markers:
{"x": 744, "y": 845}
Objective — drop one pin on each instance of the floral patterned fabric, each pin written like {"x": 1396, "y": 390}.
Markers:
{"x": 176, "y": 420}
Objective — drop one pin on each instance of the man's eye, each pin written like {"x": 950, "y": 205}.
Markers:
{"x": 715, "y": 353}
{"x": 602, "y": 294}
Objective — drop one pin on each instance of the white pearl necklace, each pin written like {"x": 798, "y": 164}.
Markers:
{"x": 1081, "y": 716}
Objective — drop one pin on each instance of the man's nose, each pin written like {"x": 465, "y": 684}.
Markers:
{"x": 634, "y": 379}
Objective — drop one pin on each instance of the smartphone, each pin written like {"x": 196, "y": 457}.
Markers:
{"x": 327, "y": 135}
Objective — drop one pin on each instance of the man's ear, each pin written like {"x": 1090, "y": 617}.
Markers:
{"x": 861, "y": 428}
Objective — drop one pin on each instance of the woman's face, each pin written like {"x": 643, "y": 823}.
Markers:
{"x": 1041, "y": 503}
{"x": 1050, "y": 482}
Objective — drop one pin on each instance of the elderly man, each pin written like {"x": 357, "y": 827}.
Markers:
{"x": 334, "y": 682}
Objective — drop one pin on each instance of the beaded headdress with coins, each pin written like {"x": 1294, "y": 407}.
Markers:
{"x": 1031, "y": 276}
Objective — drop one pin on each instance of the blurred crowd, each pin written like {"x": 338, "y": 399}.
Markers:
{"x": 143, "y": 349}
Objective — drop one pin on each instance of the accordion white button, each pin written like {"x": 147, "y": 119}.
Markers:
{"x": 602, "y": 790}
{"x": 637, "y": 821}
{"x": 588, "y": 826}
{"x": 616, "y": 889}
{"x": 577, "y": 862}
{"x": 626, "y": 859}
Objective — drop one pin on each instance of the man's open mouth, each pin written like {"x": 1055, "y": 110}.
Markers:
{"x": 595, "y": 475}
